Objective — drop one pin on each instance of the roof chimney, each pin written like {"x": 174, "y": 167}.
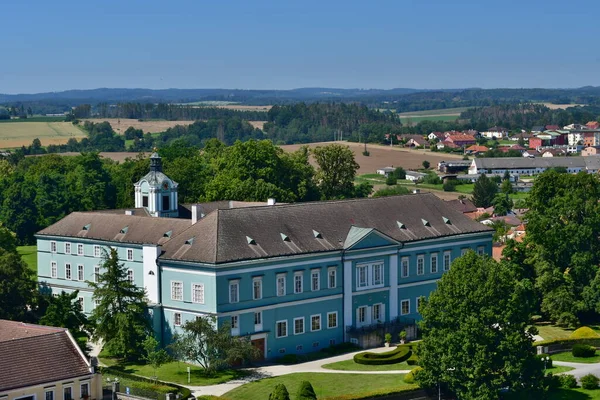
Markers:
{"x": 271, "y": 202}
{"x": 196, "y": 213}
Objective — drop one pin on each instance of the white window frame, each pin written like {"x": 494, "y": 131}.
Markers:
{"x": 447, "y": 256}
{"x": 174, "y": 292}
{"x": 405, "y": 261}
{"x": 257, "y": 280}
{"x": 81, "y": 302}
{"x": 80, "y": 250}
{"x": 177, "y": 319}
{"x": 81, "y": 385}
{"x": 303, "y": 326}
{"x": 284, "y": 322}
{"x": 421, "y": 264}
{"x": 315, "y": 273}
{"x": 53, "y": 269}
{"x": 359, "y": 283}
{"x": 46, "y": 391}
{"x": 434, "y": 256}
{"x": 298, "y": 274}
{"x": 311, "y": 322}
{"x": 67, "y": 247}
{"x": 379, "y": 306}
{"x": 381, "y": 268}
{"x": 282, "y": 278}
{"x": 236, "y": 284}
{"x": 331, "y": 272}
{"x": 369, "y": 275}
{"x": 96, "y": 273}
{"x": 480, "y": 250}
{"x": 365, "y": 316}
{"x": 129, "y": 254}
{"x": 258, "y": 326}
{"x": 198, "y": 299}
{"x": 53, "y": 246}
{"x": 97, "y": 252}
{"x": 80, "y": 272}
{"x": 328, "y": 320}
{"x": 71, "y": 390}
{"x": 235, "y": 322}
{"x": 130, "y": 276}
{"x": 407, "y": 301}
{"x": 68, "y": 272}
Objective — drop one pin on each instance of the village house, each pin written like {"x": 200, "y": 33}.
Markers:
{"x": 437, "y": 136}
{"x": 292, "y": 278}
{"x": 591, "y": 151}
{"x": 44, "y": 363}
{"x": 533, "y": 166}
{"x": 461, "y": 140}
{"x": 416, "y": 141}
{"x": 414, "y": 176}
{"x": 531, "y": 153}
{"x": 593, "y": 125}
{"x": 495, "y": 132}
{"x": 476, "y": 149}
{"x": 556, "y": 152}
{"x": 446, "y": 144}
{"x": 385, "y": 171}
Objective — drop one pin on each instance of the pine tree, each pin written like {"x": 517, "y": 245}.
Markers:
{"x": 484, "y": 192}
{"x": 279, "y": 393}
{"x": 306, "y": 391}
{"x": 120, "y": 317}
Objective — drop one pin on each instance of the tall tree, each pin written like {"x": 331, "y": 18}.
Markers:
{"x": 484, "y": 191}
{"x": 18, "y": 288}
{"x": 120, "y": 316}
{"x": 337, "y": 169}
{"x": 476, "y": 334}
{"x": 153, "y": 354}
{"x": 65, "y": 311}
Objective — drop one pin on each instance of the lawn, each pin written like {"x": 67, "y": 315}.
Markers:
{"x": 564, "y": 394}
{"x": 568, "y": 357}
{"x": 558, "y": 369}
{"x": 29, "y": 255}
{"x": 350, "y": 365}
{"x": 176, "y": 372}
{"x": 325, "y": 385}
{"x": 553, "y": 332}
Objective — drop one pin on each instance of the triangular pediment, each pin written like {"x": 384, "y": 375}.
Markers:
{"x": 364, "y": 238}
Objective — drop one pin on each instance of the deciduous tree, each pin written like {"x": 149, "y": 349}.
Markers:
{"x": 337, "y": 169}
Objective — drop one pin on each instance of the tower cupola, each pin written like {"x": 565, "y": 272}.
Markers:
{"x": 156, "y": 192}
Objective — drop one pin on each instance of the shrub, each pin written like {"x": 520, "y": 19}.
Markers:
{"x": 410, "y": 377}
{"x": 306, "y": 391}
{"x": 449, "y": 186}
{"x": 399, "y": 354}
{"x": 391, "y": 180}
{"x": 432, "y": 179}
{"x": 413, "y": 360}
{"x": 567, "y": 381}
{"x": 583, "y": 350}
{"x": 388, "y": 337}
{"x": 400, "y": 173}
{"x": 584, "y": 332}
{"x": 589, "y": 382}
{"x": 552, "y": 381}
{"x": 279, "y": 393}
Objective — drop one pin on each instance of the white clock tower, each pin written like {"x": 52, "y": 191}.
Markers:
{"x": 156, "y": 192}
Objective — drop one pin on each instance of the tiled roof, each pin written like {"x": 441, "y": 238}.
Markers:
{"x": 525, "y": 162}
{"x": 254, "y": 233}
{"x": 461, "y": 138}
{"x": 37, "y": 355}
{"x": 464, "y": 206}
{"x": 477, "y": 148}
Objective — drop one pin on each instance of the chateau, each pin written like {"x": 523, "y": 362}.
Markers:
{"x": 294, "y": 278}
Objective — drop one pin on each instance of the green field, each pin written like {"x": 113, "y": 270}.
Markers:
{"x": 29, "y": 255}
{"x": 34, "y": 119}
{"x": 325, "y": 385}
{"x": 567, "y": 356}
{"x": 350, "y": 365}
{"x": 22, "y": 132}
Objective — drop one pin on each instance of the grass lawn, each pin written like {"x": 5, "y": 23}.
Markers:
{"x": 574, "y": 394}
{"x": 568, "y": 357}
{"x": 29, "y": 255}
{"x": 518, "y": 196}
{"x": 325, "y": 385}
{"x": 350, "y": 365}
{"x": 176, "y": 372}
{"x": 553, "y": 332}
{"x": 559, "y": 369}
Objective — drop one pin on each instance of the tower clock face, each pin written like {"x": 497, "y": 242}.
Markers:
{"x": 165, "y": 185}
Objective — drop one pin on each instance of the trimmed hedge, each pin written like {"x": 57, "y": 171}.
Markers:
{"x": 413, "y": 359}
{"x": 584, "y": 333}
{"x": 399, "y": 354}
{"x": 583, "y": 350}
{"x": 410, "y": 377}
{"x": 589, "y": 382}
{"x": 567, "y": 381}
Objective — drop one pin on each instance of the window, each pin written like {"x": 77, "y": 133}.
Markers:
{"x": 84, "y": 390}
{"x": 362, "y": 314}
{"x": 447, "y": 260}
{"x": 67, "y": 271}
{"x": 198, "y": 293}
{"x": 299, "y": 347}
{"x": 377, "y": 314}
{"x": 258, "y": 318}
{"x": 68, "y": 393}
{"x": 331, "y": 273}
{"x": 377, "y": 274}
{"x": 129, "y": 254}
{"x": 166, "y": 203}
{"x": 130, "y": 275}
{"x": 298, "y": 326}
{"x": 257, "y": 288}
{"x": 420, "y": 265}
{"x": 53, "y": 269}
{"x": 177, "y": 319}
{"x": 49, "y": 395}
{"x": 176, "y": 290}
{"x": 480, "y": 250}
{"x": 145, "y": 201}
{"x": 404, "y": 265}
{"x": 280, "y": 285}
{"x": 234, "y": 291}
{"x": 332, "y": 320}
{"x": 434, "y": 265}
{"x": 315, "y": 322}
{"x": 298, "y": 282}
{"x": 53, "y": 247}
{"x": 315, "y": 280}
{"x": 281, "y": 329}
{"x": 67, "y": 251}
{"x": 80, "y": 273}
{"x": 362, "y": 276}
{"x": 97, "y": 251}
{"x": 81, "y": 302}
{"x": 405, "y": 307}
{"x": 96, "y": 273}
{"x": 96, "y": 302}
{"x": 235, "y": 322}
{"x": 79, "y": 249}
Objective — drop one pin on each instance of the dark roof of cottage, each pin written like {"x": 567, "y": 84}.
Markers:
{"x": 117, "y": 227}
{"x": 464, "y": 206}
{"x": 33, "y": 355}
{"x": 228, "y": 235}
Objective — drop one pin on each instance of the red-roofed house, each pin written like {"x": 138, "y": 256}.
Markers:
{"x": 593, "y": 125}
{"x": 461, "y": 140}
{"x": 552, "y": 127}
{"x": 476, "y": 149}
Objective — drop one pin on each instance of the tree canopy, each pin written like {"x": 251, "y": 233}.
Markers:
{"x": 337, "y": 170}
{"x": 484, "y": 191}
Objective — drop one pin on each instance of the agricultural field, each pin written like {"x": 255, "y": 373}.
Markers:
{"x": 120, "y": 125}
{"x": 257, "y": 124}
{"x": 21, "y": 133}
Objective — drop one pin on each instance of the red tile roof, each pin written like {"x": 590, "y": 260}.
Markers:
{"x": 477, "y": 148}
{"x": 461, "y": 138}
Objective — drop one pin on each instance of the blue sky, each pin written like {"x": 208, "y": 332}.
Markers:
{"x": 281, "y": 44}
